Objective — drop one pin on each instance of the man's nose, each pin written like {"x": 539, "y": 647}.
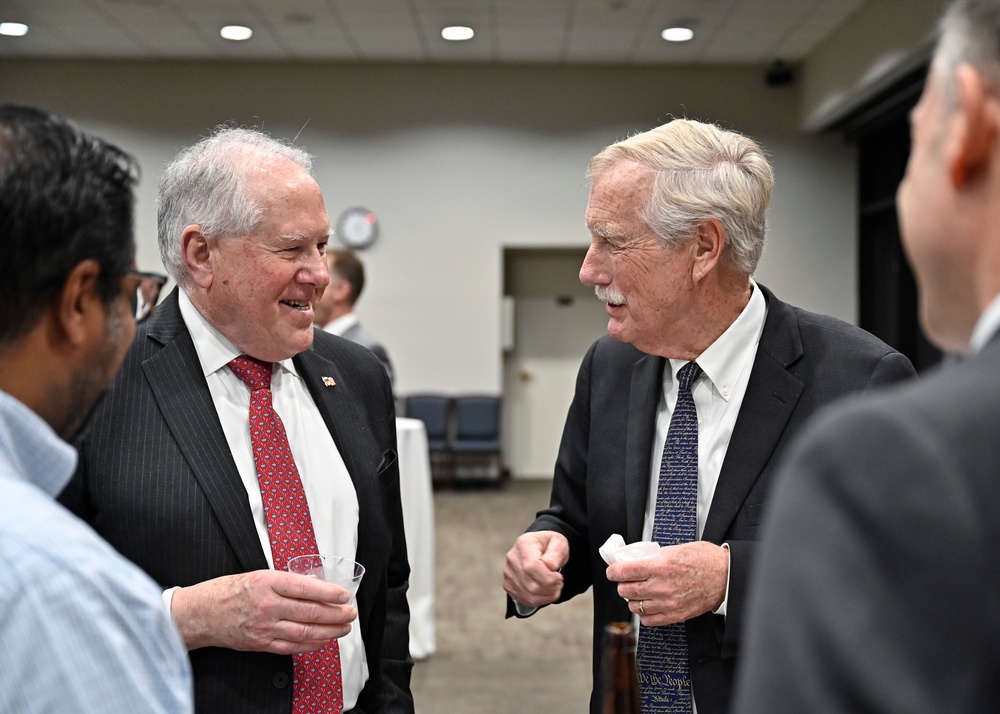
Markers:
{"x": 591, "y": 272}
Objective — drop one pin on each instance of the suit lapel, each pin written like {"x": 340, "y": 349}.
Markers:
{"x": 770, "y": 399}
{"x": 181, "y": 393}
{"x": 338, "y": 405}
{"x": 644, "y": 396}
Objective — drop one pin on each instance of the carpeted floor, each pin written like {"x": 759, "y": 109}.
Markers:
{"x": 485, "y": 664}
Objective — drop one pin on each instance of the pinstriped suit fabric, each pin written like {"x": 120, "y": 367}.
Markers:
{"x": 157, "y": 481}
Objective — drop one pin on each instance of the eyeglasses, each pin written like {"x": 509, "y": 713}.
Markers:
{"x": 147, "y": 292}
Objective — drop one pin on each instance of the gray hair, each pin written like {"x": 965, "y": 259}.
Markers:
{"x": 207, "y": 184}
{"x": 702, "y": 172}
{"x": 969, "y": 33}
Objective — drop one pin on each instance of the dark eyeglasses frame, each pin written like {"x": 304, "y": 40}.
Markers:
{"x": 147, "y": 292}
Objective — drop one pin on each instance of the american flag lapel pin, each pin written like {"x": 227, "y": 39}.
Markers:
{"x": 329, "y": 382}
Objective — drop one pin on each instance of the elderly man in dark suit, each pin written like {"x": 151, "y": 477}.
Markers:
{"x": 682, "y": 413}
{"x": 879, "y": 581}
{"x": 234, "y": 438}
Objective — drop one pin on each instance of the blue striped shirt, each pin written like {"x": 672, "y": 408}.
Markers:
{"x": 81, "y": 628}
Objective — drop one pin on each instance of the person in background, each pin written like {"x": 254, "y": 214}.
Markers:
{"x": 81, "y": 628}
{"x": 878, "y": 587}
{"x": 335, "y": 309}
{"x": 682, "y": 413}
{"x": 234, "y": 438}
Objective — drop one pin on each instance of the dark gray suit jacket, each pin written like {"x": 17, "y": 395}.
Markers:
{"x": 156, "y": 479}
{"x": 357, "y": 333}
{"x": 879, "y": 572}
{"x": 803, "y": 362}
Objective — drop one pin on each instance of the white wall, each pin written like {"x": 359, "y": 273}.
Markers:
{"x": 460, "y": 161}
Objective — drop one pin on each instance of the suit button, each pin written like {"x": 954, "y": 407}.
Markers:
{"x": 280, "y": 680}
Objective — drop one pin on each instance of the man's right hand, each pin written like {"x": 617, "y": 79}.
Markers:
{"x": 531, "y": 575}
{"x": 262, "y": 611}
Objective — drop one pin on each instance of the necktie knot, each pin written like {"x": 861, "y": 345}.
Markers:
{"x": 254, "y": 373}
{"x": 687, "y": 374}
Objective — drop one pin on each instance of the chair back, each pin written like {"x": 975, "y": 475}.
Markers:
{"x": 477, "y": 423}
{"x": 433, "y": 411}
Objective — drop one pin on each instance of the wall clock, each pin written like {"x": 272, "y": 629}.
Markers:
{"x": 357, "y": 228}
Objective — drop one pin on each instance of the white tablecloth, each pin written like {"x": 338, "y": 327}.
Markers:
{"x": 418, "y": 523}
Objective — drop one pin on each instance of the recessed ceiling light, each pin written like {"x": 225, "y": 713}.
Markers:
{"x": 677, "y": 34}
{"x": 13, "y": 29}
{"x": 457, "y": 33}
{"x": 236, "y": 32}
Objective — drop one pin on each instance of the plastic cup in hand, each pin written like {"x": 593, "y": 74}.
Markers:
{"x": 331, "y": 569}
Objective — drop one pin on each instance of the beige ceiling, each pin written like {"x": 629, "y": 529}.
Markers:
{"x": 546, "y": 31}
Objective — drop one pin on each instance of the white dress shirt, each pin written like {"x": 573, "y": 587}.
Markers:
{"x": 718, "y": 395}
{"x": 333, "y": 501}
{"x": 342, "y": 324}
{"x": 986, "y": 326}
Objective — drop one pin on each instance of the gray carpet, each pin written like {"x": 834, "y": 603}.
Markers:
{"x": 485, "y": 664}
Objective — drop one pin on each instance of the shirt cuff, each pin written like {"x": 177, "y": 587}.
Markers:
{"x": 168, "y": 598}
{"x": 524, "y": 610}
{"x": 721, "y": 609}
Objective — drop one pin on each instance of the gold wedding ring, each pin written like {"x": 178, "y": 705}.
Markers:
{"x": 641, "y": 611}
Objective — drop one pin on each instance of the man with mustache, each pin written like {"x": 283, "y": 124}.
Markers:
{"x": 682, "y": 412}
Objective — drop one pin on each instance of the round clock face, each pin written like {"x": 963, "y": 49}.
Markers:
{"x": 357, "y": 227}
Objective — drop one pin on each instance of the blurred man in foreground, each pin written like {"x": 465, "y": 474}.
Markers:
{"x": 81, "y": 628}
{"x": 879, "y": 580}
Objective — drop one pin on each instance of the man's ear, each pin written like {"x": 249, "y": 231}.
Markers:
{"x": 78, "y": 303}
{"x": 197, "y": 254}
{"x": 975, "y": 127}
{"x": 709, "y": 241}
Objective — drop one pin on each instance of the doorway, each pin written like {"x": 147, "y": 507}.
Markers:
{"x": 552, "y": 319}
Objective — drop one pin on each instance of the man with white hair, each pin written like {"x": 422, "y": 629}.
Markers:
{"x": 236, "y": 437}
{"x": 681, "y": 414}
{"x": 879, "y": 581}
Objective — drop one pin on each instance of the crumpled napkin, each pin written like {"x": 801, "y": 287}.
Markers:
{"x": 615, "y": 550}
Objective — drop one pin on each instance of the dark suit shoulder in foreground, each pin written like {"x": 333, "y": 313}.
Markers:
{"x": 878, "y": 586}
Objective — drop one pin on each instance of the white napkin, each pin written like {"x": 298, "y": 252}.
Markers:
{"x": 614, "y": 550}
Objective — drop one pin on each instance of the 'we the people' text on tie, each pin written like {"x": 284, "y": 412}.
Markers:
{"x": 662, "y": 653}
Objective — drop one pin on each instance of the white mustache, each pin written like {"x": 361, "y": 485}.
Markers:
{"x": 608, "y": 295}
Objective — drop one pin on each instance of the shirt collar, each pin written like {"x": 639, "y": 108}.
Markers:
{"x": 31, "y": 449}
{"x": 213, "y": 349}
{"x": 342, "y": 324}
{"x": 986, "y": 326}
{"x": 724, "y": 360}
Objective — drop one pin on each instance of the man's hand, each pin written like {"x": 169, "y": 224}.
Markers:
{"x": 681, "y": 582}
{"x": 263, "y": 611}
{"x": 531, "y": 575}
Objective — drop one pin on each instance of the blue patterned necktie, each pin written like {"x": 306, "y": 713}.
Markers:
{"x": 662, "y": 652}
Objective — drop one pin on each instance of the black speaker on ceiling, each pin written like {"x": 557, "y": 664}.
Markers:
{"x": 779, "y": 74}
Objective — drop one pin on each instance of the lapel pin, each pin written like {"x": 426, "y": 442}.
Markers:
{"x": 329, "y": 382}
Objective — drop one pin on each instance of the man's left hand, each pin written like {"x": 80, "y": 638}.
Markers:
{"x": 681, "y": 582}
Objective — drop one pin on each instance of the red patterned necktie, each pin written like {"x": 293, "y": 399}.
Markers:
{"x": 317, "y": 685}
